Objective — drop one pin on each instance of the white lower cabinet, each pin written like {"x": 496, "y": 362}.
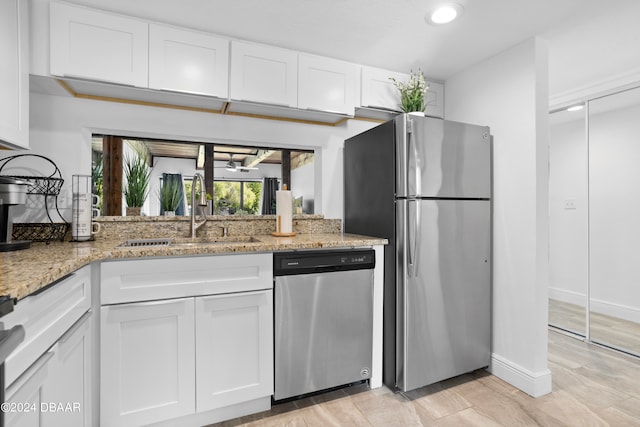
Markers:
{"x": 56, "y": 389}
{"x": 147, "y": 365}
{"x": 24, "y": 396}
{"x": 68, "y": 390}
{"x": 234, "y": 351}
{"x": 49, "y": 375}
{"x": 186, "y": 360}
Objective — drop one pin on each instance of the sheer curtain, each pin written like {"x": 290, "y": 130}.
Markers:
{"x": 269, "y": 188}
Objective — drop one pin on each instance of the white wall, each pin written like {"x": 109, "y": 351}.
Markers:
{"x": 509, "y": 93}
{"x": 568, "y": 224}
{"x": 61, "y": 128}
{"x": 302, "y": 183}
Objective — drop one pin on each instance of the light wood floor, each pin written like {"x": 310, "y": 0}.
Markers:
{"x": 592, "y": 386}
{"x": 611, "y": 331}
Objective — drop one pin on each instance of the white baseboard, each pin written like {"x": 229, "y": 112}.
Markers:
{"x": 619, "y": 311}
{"x": 535, "y": 384}
{"x": 571, "y": 297}
{"x": 607, "y": 308}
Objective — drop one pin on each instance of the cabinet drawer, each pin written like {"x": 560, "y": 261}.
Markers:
{"x": 46, "y": 316}
{"x": 152, "y": 279}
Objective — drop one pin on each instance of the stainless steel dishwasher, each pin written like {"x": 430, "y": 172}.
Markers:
{"x": 323, "y": 314}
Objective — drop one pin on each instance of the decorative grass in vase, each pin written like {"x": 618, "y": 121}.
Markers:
{"x": 170, "y": 195}
{"x": 138, "y": 174}
{"x": 412, "y": 93}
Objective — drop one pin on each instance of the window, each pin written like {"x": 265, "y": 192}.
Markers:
{"x": 235, "y": 197}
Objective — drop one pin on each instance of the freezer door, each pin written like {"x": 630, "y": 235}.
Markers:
{"x": 444, "y": 290}
{"x": 445, "y": 158}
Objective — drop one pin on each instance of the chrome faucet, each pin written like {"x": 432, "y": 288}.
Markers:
{"x": 202, "y": 201}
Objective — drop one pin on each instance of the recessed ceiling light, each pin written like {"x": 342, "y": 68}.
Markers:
{"x": 575, "y": 107}
{"x": 444, "y": 14}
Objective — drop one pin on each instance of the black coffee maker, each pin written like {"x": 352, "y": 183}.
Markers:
{"x": 12, "y": 192}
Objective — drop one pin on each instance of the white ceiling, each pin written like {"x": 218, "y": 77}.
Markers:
{"x": 589, "y": 39}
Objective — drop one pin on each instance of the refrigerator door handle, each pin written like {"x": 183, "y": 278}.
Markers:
{"x": 414, "y": 182}
{"x": 413, "y": 234}
{"x": 417, "y": 173}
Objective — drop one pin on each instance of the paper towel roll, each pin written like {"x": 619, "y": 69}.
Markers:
{"x": 284, "y": 211}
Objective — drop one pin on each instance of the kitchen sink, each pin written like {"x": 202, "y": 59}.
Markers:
{"x": 136, "y": 243}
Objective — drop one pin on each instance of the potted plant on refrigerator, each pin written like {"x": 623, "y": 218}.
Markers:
{"x": 412, "y": 93}
{"x": 138, "y": 174}
{"x": 170, "y": 195}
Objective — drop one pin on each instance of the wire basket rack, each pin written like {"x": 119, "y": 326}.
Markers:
{"x": 46, "y": 185}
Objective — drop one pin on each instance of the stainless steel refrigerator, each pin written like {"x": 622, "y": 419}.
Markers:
{"x": 425, "y": 185}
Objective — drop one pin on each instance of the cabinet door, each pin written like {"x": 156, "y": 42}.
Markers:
{"x": 188, "y": 61}
{"x": 24, "y": 395}
{"x": 67, "y": 391}
{"x": 96, "y": 45}
{"x": 14, "y": 73}
{"x": 263, "y": 74}
{"x": 378, "y": 90}
{"x": 234, "y": 348}
{"x": 147, "y": 364}
{"x": 326, "y": 84}
{"x": 434, "y": 101}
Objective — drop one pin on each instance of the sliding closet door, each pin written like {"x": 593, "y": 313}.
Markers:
{"x": 614, "y": 195}
{"x": 568, "y": 226}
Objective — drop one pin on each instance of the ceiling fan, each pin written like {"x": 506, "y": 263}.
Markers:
{"x": 235, "y": 167}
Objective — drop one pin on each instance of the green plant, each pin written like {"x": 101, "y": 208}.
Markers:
{"x": 412, "y": 93}
{"x": 170, "y": 195}
{"x": 138, "y": 174}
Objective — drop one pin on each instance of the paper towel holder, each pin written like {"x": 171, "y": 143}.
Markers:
{"x": 280, "y": 234}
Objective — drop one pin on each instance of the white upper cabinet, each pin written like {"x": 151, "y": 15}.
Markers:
{"x": 378, "y": 90}
{"x": 263, "y": 74}
{"x": 97, "y": 45}
{"x": 14, "y": 73}
{"x": 183, "y": 60}
{"x": 434, "y": 102}
{"x": 326, "y": 84}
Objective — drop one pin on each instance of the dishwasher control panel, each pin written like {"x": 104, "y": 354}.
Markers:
{"x": 287, "y": 263}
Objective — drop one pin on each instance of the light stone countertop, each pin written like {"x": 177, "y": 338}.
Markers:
{"x": 26, "y": 271}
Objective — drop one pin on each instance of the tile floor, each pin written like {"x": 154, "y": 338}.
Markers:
{"x": 611, "y": 331}
{"x": 592, "y": 386}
